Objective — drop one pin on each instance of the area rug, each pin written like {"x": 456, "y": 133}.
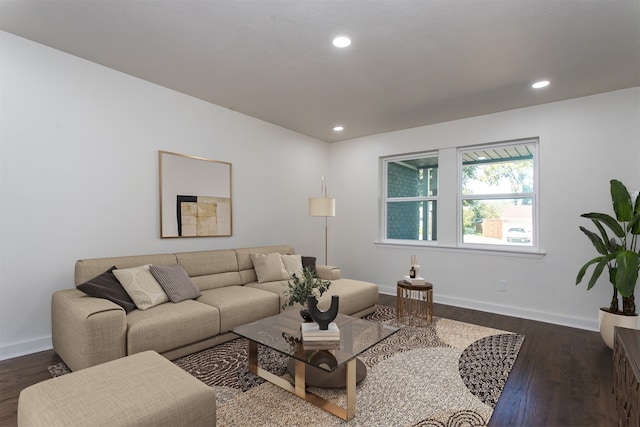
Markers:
{"x": 448, "y": 374}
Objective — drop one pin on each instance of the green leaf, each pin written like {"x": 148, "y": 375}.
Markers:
{"x": 598, "y": 271}
{"x": 607, "y": 220}
{"x": 584, "y": 268}
{"x": 627, "y": 275}
{"x": 600, "y": 246}
{"x": 301, "y": 287}
{"x": 605, "y": 237}
{"x": 634, "y": 224}
{"x": 621, "y": 201}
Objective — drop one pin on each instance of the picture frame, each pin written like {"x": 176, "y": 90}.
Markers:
{"x": 195, "y": 196}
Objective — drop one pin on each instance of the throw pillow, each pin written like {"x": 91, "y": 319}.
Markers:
{"x": 269, "y": 267}
{"x": 175, "y": 282}
{"x": 309, "y": 261}
{"x": 107, "y": 286}
{"x": 293, "y": 264}
{"x": 142, "y": 287}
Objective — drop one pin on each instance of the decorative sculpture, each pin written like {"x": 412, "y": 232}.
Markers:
{"x": 323, "y": 318}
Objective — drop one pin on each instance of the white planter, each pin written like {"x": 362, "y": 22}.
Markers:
{"x": 608, "y": 321}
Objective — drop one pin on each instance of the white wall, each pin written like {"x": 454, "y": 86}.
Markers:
{"x": 584, "y": 143}
{"x": 79, "y": 177}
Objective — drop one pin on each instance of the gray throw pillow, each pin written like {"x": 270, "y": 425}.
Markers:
{"x": 175, "y": 282}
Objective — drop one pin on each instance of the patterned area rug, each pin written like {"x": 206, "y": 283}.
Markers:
{"x": 447, "y": 374}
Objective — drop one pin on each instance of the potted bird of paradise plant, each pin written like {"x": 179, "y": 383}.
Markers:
{"x": 620, "y": 254}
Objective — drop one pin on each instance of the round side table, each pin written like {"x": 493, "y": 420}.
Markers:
{"x": 414, "y": 303}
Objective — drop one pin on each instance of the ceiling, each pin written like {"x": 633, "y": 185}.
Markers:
{"x": 411, "y": 63}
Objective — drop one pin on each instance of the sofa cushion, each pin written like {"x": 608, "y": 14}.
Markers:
{"x": 107, "y": 286}
{"x": 245, "y": 265}
{"x": 277, "y": 288}
{"x": 293, "y": 264}
{"x": 169, "y": 326}
{"x": 201, "y": 263}
{"x": 354, "y": 295}
{"x": 142, "y": 287}
{"x": 240, "y": 304}
{"x": 211, "y": 269}
{"x": 175, "y": 282}
{"x": 269, "y": 267}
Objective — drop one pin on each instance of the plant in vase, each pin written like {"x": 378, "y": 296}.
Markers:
{"x": 620, "y": 254}
{"x": 301, "y": 287}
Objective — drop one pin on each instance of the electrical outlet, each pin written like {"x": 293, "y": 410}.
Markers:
{"x": 502, "y": 286}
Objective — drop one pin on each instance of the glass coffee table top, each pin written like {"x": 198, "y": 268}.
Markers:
{"x": 324, "y": 363}
{"x": 282, "y": 333}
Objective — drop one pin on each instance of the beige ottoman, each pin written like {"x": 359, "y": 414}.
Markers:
{"x": 144, "y": 389}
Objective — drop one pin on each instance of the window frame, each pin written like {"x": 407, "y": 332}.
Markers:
{"x": 533, "y": 195}
{"x": 386, "y": 160}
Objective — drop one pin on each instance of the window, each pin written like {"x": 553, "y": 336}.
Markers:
{"x": 498, "y": 194}
{"x": 410, "y": 197}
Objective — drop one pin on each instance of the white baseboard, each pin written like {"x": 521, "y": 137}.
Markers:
{"x": 10, "y": 351}
{"x": 524, "y": 313}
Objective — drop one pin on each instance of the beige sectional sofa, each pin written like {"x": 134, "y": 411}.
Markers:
{"x": 88, "y": 331}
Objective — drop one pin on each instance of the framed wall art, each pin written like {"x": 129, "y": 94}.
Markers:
{"x": 195, "y": 196}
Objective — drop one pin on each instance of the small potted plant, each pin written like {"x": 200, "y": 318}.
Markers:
{"x": 300, "y": 288}
{"x": 620, "y": 254}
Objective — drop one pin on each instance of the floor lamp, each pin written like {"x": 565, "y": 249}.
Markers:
{"x": 326, "y": 207}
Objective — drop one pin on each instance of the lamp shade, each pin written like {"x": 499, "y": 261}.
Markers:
{"x": 322, "y": 206}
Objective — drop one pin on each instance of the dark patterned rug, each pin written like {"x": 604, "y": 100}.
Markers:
{"x": 447, "y": 374}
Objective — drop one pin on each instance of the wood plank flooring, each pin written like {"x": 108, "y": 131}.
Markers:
{"x": 562, "y": 376}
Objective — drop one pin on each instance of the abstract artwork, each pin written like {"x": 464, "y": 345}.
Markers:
{"x": 198, "y": 216}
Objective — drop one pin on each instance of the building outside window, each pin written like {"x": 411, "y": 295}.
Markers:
{"x": 410, "y": 197}
{"x": 498, "y": 196}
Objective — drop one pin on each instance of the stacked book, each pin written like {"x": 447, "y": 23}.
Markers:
{"x": 414, "y": 280}
{"x": 321, "y": 345}
{"x": 313, "y": 335}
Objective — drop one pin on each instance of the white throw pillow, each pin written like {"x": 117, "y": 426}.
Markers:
{"x": 293, "y": 264}
{"x": 269, "y": 267}
{"x": 142, "y": 287}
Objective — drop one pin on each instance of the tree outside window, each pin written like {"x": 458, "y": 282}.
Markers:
{"x": 498, "y": 194}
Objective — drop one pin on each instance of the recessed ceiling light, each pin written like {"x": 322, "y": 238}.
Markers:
{"x": 338, "y": 128}
{"x": 540, "y": 84}
{"x": 341, "y": 41}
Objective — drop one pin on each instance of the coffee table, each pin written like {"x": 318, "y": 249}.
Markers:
{"x": 282, "y": 333}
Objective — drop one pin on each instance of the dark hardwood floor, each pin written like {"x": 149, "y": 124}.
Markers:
{"x": 562, "y": 376}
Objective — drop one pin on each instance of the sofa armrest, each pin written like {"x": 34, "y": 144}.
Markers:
{"x": 327, "y": 272}
{"x": 87, "y": 331}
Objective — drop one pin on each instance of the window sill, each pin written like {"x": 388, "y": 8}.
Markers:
{"x": 498, "y": 251}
